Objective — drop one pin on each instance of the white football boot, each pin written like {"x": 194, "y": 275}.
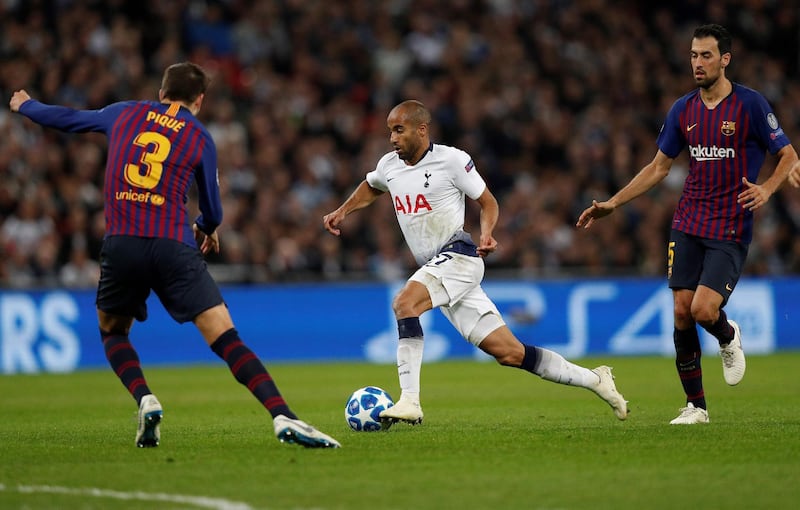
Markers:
{"x": 691, "y": 415}
{"x": 406, "y": 409}
{"x": 148, "y": 434}
{"x": 299, "y": 432}
{"x": 733, "y": 362}
{"x": 607, "y": 390}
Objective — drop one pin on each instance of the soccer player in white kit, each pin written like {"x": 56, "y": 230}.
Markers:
{"x": 427, "y": 183}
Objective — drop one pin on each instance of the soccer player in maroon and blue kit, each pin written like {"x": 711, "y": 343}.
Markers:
{"x": 156, "y": 149}
{"x": 728, "y": 129}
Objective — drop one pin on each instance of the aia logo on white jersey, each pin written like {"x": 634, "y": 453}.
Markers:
{"x": 407, "y": 205}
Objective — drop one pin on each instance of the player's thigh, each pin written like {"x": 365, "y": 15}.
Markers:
{"x": 475, "y": 316}
{"x": 685, "y": 260}
{"x": 722, "y": 266}
{"x": 412, "y": 300}
{"x": 124, "y": 277}
{"x": 182, "y": 281}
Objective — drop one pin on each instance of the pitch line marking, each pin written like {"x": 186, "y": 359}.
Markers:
{"x": 198, "y": 501}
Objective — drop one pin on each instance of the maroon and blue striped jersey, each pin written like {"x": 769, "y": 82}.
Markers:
{"x": 725, "y": 144}
{"x": 155, "y": 151}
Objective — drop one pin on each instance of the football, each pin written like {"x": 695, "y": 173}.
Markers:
{"x": 364, "y": 407}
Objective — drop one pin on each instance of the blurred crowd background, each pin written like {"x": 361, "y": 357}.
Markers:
{"x": 558, "y": 102}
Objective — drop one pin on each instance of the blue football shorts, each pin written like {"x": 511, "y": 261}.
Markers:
{"x": 130, "y": 267}
{"x": 694, "y": 261}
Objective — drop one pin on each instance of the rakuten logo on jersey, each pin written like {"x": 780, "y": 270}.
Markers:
{"x": 713, "y": 153}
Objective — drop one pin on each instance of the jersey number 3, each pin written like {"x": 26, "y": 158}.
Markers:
{"x": 148, "y": 173}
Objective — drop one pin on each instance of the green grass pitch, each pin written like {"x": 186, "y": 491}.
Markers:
{"x": 493, "y": 438}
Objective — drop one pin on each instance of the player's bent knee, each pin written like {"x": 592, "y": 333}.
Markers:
{"x": 114, "y": 324}
{"x": 402, "y": 307}
{"x": 683, "y": 318}
{"x": 705, "y": 315}
{"x": 114, "y": 330}
{"x": 412, "y": 301}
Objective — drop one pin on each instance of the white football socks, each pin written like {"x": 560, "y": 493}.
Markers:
{"x": 552, "y": 366}
{"x": 409, "y": 366}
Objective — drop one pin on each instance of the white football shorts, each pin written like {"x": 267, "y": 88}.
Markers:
{"x": 453, "y": 281}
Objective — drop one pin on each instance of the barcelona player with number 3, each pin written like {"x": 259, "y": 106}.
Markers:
{"x": 156, "y": 149}
{"x": 728, "y": 129}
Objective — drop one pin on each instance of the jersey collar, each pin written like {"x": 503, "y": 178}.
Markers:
{"x": 430, "y": 149}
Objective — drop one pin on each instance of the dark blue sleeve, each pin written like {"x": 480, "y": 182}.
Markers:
{"x": 71, "y": 120}
{"x": 765, "y": 125}
{"x": 670, "y": 139}
{"x": 208, "y": 190}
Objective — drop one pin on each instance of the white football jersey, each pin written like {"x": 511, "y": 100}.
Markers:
{"x": 428, "y": 197}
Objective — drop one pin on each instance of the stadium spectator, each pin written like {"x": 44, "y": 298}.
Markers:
{"x": 26, "y": 228}
{"x": 80, "y": 272}
{"x": 547, "y": 96}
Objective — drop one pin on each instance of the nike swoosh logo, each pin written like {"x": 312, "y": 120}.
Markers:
{"x": 689, "y": 128}
{"x": 728, "y": 287}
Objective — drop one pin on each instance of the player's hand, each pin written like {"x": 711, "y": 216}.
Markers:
{"x": 594, "y": 212}
{"x": 207, "y": 242}
{"x": 487, "y": 246}
{"x": 332, "y": 220}
{"x": 794, "y": 175}
{"x": 753, "y": 197}
{"x": 17, "y": 99}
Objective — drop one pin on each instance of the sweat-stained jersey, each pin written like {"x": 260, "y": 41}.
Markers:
{"x": 428, "y": 197}
{"x": 155, "y": 151}
{"x": 725, "y": 144}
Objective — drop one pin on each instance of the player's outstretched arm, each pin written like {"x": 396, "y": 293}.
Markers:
{"x": 652, "y": 173}
{"x": 595, "y": 211}
{"x": 363, "y": 196}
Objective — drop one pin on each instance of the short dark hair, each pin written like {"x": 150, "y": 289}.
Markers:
{"x": 718, "y": 32}
{"x": 184, "y": 82}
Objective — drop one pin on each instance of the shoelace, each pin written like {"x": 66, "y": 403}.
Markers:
{"x": 727, "y": 354}
{"x": 688, "y": 411}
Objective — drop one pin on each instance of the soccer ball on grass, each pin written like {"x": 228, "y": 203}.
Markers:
{"x": 364, "y": 407}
